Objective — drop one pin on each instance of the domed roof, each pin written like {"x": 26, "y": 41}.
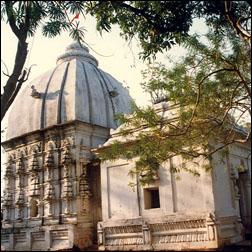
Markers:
{"x": 76, "y": 89}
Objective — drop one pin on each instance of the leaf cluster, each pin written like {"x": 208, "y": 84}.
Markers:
{"x": 204, "y": 89}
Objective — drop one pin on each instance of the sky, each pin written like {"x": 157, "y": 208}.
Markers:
{"x": 114, "y": 54}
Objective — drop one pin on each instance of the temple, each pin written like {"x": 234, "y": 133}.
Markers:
{"x": 58, "y": 195}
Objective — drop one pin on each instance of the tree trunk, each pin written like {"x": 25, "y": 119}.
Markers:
{"x": 12, "y": 83}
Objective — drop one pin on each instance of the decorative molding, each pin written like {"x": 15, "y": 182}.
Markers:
{"x": 5, "y": 238}
{"x": 190, "y": 224}
{"x": 21, "y": 237}
{"x": 49, "y": 160}
{"x": 20, "y": 203}
{"x": 84, "y": 189}
{"x": 9, "y": 172}
{"x": 20, "y": 167}
{"x": 183, "y": 231}
{"x": 34, "y": 172}
{"x": 35, "y": 148}
{"x": 38, "y": 236}
{"x": 124, "y": 241}
{"x": 59, "y": 234}
{"x": 123, "y": 229}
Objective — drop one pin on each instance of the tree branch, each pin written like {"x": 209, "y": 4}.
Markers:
{"x": 11, "y": 84}
{"x": 235, "y": 22}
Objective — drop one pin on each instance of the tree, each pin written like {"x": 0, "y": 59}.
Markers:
{"x": 158, "y": 25}
{"x": 24, "y": 18}
{"x": 210, "y": 90}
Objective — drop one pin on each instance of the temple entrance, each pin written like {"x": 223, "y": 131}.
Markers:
{"x": 245, "y": 200}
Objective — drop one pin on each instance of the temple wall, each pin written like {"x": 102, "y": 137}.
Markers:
{"x": 180, "y": 192}
{"x": 182, "y": 218}
{"x": 232, "y": 192}
{"x": 52, "y": 196}
{"x": 193, "y": 212}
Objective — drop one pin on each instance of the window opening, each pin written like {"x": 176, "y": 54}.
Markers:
{"x": 151, "y": 198}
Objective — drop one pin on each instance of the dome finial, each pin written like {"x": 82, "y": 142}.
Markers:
{"x": 76, "y": 49}
{"x": 76, "y": 46}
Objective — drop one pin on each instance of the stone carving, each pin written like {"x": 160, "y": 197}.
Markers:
{"x": 100, "y": 234}
{"x": 5, "y": 238}
{"x": 84, "y": 185}
{"x": 34, "y": 170}
{"x": 124, "y": 241}
{"x": 123, "y": 229}
{"x": 67, "y": 176}
{"x": 20, "y": 168}
{"x": 124, "y": 235}
{"x": 7, "y": 199}
{"x": 9, "y": 169}
{"x": 50, "y": 197}
{"x": 182, "y": 231}
{"x": 35, "y": 148}
{"x": 66, "y": 161}
{"x": 59, "y": 234}
{"x": 21, "y": 237}
{"x": 49, "y": 165}
{"x": 51, "y": 145}
{"x": 34, "y": 167}
{"x": 185, "y": 237}
{"x": 35, "y": 191}
{"x": 196, "y": 230}
{"x": 20, "y": 204}
{"x": 38, "y": 236}
{"x": 7, "y": 204}
{"x": 9, "y": 172}
{"x": 49, "y": 161}
{"x": 68, "y": 141}
{"x": 233, "y": 172}
{"x": 192, "y": 224}
{"x": 84, "y": 189}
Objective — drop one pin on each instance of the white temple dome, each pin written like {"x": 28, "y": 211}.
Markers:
{"x": 76, "y": 89}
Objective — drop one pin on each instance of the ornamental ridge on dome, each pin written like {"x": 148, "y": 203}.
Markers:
{"x": 77, "y": 50}
{"x": 74, "y": 90}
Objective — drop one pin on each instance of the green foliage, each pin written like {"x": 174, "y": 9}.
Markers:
{"x": 157, "y": 24}
{"x": 161, "y": 24}
{"x": 54, "y": 16}
{"x": 204, "y": 89}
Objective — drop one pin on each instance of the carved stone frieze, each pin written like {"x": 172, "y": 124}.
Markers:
{"x": 124, "y": 235}
{"x": 68, "y": 142}
{"x": 38, "y": 236}
{"x": 68, "y": 189}
{"x": 51, "y": 145}
{"x": 66, "y": 157}
{"x": 84, "y": 188}
{"x": 20, "y": 166}
{"x": 49, "y": 161}
{"x": 50, "y": 195}
{"x": 179, "y": 231}
{"x": 21, "y": 198}
{"x": 9, "y": 171}
{"x": 50, "y": 198}
{"x": 20, "y": 203}
{"x": 7, "y": 199}
{"x": 35, "y": 148}
{"x": 124, "y": 241}
{"x": 34, "y": 166}
{"x": 35, "y": 190}
{"x": 34, "y": 173}
{"x": 59, "y": 234}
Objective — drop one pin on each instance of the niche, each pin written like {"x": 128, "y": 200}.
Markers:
{"x": 33, "y": 208}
